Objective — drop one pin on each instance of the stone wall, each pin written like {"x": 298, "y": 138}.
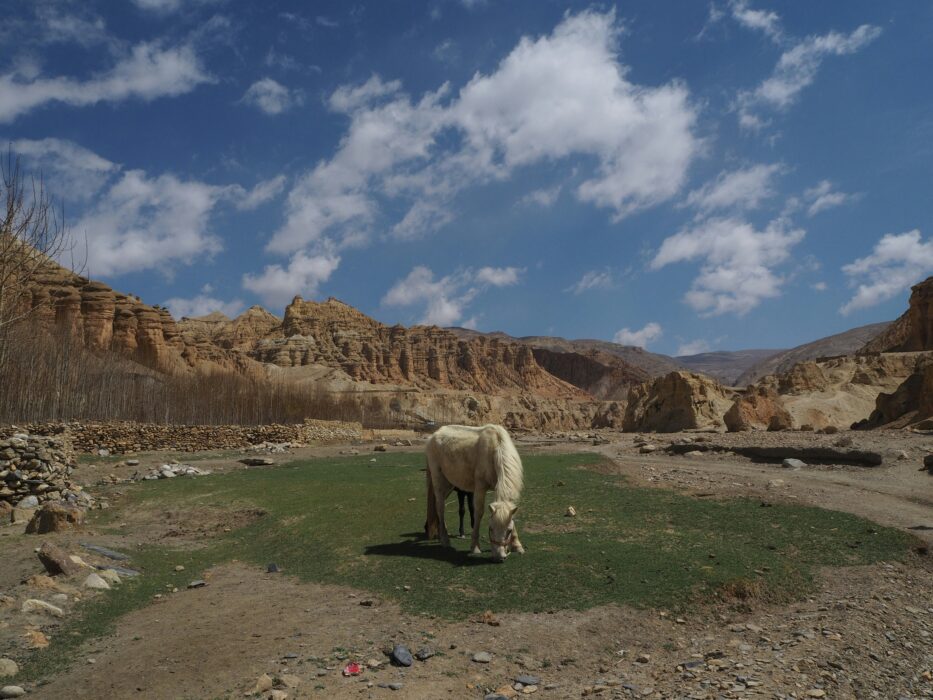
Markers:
{"x": 123, "y": 437}
{"x": 35, "y": 468}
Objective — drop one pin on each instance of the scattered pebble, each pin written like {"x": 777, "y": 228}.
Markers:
{"x": 482, "y": 657}
{"x": 401, "y": 656}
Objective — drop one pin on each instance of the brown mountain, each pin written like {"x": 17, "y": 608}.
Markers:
{"x": 724, "y": 365}
{"x": 914, "y": 330}
{"x": 845, "y": 343}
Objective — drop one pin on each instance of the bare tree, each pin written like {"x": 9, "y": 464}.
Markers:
{"x": 32, "y": 235}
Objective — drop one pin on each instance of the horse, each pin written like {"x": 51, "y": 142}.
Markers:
{"x": 478, "y": 460}
{"x": 464, "y": 499}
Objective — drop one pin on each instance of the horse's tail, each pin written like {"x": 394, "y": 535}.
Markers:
{"x": 509, "y": 474}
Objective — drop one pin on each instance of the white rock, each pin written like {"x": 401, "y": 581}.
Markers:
{"x": 110, "y": 576}
{"x": 34, "y": 605}
{"x": 8, "y": 668}
{"x": 95, "y": 582}
{"x": 11, "y": 691}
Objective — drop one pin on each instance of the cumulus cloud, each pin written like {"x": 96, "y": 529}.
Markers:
{"x": 553, "y": 97}
{"x": 592, "y": 279}
{"x": 276, "y": 285}
{"x": 640, "y": 338}
{"x": 765, "y": 21}
{"x": 445, "y": 299}
{"x": 823, "y": 197}
{"x": 896, "y": 262}
{"x": 796, "y": 69}
{"x": 144, "y": 222}
{"x": 693, "y": 347}
{"x": 270, "y": 96}
{"x": 738, "y": 270}
{"x": 71, "y": 171}
{"x": 260, "y": 194}
{"x": 203, "y": 304}
{"x": 545, "y": 197}
{"x": 742, "y": 189}
{"x": 148, "y": 72}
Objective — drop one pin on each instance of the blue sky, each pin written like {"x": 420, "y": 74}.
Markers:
{"x": 683, "y": 176}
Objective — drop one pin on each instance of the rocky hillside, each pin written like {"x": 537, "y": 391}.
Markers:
{"x": 914, "y": 330}
{"x": 846, "y": 343}
{"x": 724, "y": 365}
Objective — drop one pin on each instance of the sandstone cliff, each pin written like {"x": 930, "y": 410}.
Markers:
{"x": 914, "y": 330}
{"x": 759, "y": 408}
{"x": 911, "y": 402}
{"x": 677, "y": 401}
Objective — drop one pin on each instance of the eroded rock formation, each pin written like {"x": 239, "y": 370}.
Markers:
{"x": 759, "y": 408}
{"x": 677, "y": 401}
{"x": 914, "y": 330}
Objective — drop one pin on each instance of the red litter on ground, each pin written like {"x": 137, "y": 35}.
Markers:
{"x": 352, "y": 669}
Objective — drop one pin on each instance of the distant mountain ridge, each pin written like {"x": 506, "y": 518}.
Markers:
{"x": 846, "y": 343}
{"x": 726, "y": 365}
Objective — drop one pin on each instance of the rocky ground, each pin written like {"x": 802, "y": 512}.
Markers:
{"x": 865, "y": 633}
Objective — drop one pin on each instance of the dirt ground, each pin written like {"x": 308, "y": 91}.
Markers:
{"x": 865, "y": 633}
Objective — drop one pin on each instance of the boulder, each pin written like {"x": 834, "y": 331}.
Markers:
{"x": 55, "y": 517}
{"x": 759, "y": 408}
{"x": 677, "y": 401}
{"x": 57, "y": 561}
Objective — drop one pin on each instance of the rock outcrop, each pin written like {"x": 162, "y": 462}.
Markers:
{"x": 677, "y": 401}
{"x": 598, "y": 373}
{"x": 914, "y": 330}
{"x": 911, "y": 402}
{"x": 759, "y": 408}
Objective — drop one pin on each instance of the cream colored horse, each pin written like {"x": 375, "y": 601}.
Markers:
{"x": 478, "y": 460}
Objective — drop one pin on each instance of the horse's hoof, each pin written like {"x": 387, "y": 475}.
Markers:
{"x": 461, "y": 537}
{"x": 476, "y": 550}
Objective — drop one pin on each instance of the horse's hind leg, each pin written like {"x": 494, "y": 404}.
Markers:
{"x": 430, "y": 521}
{"x": 478, "y": 501}
{"x": 461, "y": 510}
{"x": 441, "y": 488}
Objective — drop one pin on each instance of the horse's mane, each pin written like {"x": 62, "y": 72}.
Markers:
{"x": 509, "y": 473}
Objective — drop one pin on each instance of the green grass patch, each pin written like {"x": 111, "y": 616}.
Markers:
{"x": 351, "y": 521}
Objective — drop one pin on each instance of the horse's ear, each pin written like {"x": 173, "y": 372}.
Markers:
{"x": 514, "y": 510}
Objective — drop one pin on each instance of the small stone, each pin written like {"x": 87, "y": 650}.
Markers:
{"x": 379, "y": 448}
{"x": 95, "y": 582}
{"x": 56, "y": 560}
{"x": 263, "y": 683}
{"x": 8, "y": 668}
{"x": 392, "y": 686}
{"x": 525, "y": 679}
{"x": 642, "y": 658}
{"x": 400, "y": 655}
{"x": 257, "y": 461}
{"x": 482, "y": 657}
{"x": 272, "y": 568}
{"x": 179, "y": 568}
{"x": 648, "y": 449}
{"x": 816, "y": 693}
{"x": 373, "y": 663}
{"x": 28, "y": 502}
{"x": 110, "y": 576}
{"x": 775, "y": 483}
{"x": 529, "y": 689}
{"x": 425, "y": 653}
{"x": 197, "y": 584}
{"x": 34, "y": 605}
{"x": 791, "y": 463}
{"x": 11, "y": 691}
{"x": 132, "y": 462}
{"x": 571, "y": 512}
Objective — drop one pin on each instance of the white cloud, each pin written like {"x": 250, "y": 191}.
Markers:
{"x": 202, "y": 305}
{"x": 445, "y": 299}
{"x": 72, "y": 172}
{"x": 277, "y": 285}
{"x": 592, "y": 279}
{"x": 738, "y": 262}
{"x": 544, "y": 197}
{"x": 640, "y": 338}
{"x": 819, "y": 287}
{"x": 765, "y": 21}
{"x": 797, "y": 69}
{"x": 143, "y": 223}
{"x": 897, "y": 262}
{"x": 260, "y": 194}
{"x": 148, "y": 72}
{"x": 552, "y": 97}
{"x": 693, "y": 347}
{"x": 742, "y": 189}
{"x": 271, "y": 97}
{"x": 823, "y": 197}
{"x": 168, "y": 6}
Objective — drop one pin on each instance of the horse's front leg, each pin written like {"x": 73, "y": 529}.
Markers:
{"x": 440, "y": 496}
{"x": 516, "y": 545}
{"x": 479, "y": 498}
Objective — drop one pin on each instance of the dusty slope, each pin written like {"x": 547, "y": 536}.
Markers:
{"x": 845, "y": 343}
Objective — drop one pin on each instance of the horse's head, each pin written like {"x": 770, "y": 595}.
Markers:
{"x": 501, "y": 528}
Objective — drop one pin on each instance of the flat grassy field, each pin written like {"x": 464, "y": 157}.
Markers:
{"x": 353, "y": 521}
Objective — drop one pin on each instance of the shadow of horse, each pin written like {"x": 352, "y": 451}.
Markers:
{"x": 419, "y": 548}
